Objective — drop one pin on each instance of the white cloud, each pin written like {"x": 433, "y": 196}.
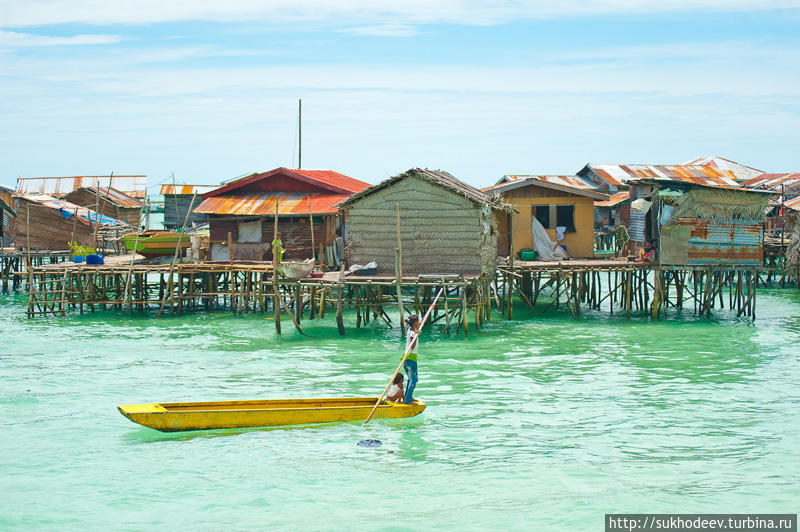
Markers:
{"x": 382, "y": 30}
{"x": 12, "y": 39}
{"x": 19, "y": 13}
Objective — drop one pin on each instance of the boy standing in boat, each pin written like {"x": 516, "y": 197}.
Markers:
{"x": 410, "y": 365}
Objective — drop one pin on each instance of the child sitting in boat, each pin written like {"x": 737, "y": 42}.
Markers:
{"x": 395, "y": 393}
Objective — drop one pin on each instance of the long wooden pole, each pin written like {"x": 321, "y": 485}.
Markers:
{"x": 276, "y": 302}
{"x": 405, "y": 356}
{"x": 311, "y": 221}
{"x": 398, "y": 271}
{"x": 177, "y": 250}
{"x": 128, "y": 275}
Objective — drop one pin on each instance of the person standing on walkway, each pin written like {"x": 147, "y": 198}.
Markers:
{"x": 410, "y": 365}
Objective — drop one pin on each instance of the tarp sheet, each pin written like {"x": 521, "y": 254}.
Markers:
{"x": 545, "y": 248}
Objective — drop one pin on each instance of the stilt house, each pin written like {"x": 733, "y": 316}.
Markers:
{"x": 698, "y": 224}
{"x": 563, "y": 205}
{"x": 246, "y": 208}
{"x": 7, "y": 215}
{"x": 110, "y": 202}
{"x": 445, "y": 226}
{"x": 178, "y": 199}
{"x": 47, "y": 223}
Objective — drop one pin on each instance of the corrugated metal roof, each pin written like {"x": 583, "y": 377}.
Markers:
{"x": 133, "y": 185}
{"x": 263, "y": 203}
{"x": 327, "y": 179}
{"x": 793, "y": 204}
{"x": 550, "y": 182}
{"x": 616, "y": 199}
{"x": 186, "y": 189}
{"x": 67, "y": 209}
{"x": 573, "y": 181}
{"x": 739, "y": 170}
{"x": 619, "y": 174}
{"x": 788, "y": 183}
{"x": 115, "y": 197}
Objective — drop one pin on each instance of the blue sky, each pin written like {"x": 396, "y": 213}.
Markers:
{"x": 480, "y": 89}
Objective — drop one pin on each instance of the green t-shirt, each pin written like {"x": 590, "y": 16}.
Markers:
{"x": 411, "y": 337}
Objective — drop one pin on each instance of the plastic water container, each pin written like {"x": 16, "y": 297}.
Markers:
{"x": 527, "y": 255}
{"x": 77, "y": 259}
{"x": 94, "y": 260}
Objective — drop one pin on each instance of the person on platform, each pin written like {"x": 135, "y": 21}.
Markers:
{"x": 648, "y": 253}
{"x": 277, "y": 249}
{"x": 410, "y": 365}
{"x": 395, "y": 393}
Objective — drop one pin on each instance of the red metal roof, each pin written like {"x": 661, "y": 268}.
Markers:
{"x": 327, "y": 179}
{"x": 263, "y": 203}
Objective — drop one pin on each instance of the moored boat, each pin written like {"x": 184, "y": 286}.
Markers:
{"x": 296, "y": 269}
{"x": 156, "y": 243}
{"x": 173, "y": 417}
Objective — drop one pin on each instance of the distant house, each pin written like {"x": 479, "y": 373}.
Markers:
{"x": 613, "y": 212}
{"x": 446, "y": 226}
{"x": 178, "y": 199}
{"x": 565, "y": 202}
{"x": 7, "y": 215}
{"x": 47, "y": 223}
{"x": 785, "y": 187}
{"x": 111, "y": 202}
{"x": 613, "y": 178}
{"x": 245, "y": 208}
{"x": 698, "y": 224}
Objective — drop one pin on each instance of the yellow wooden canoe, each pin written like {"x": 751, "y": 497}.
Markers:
{"x": 172, "y": 417}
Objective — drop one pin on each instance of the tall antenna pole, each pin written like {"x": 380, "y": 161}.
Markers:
{"x": 300, "y": 133}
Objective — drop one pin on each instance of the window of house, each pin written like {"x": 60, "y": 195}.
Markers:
{"x": 542, "y": 213}
{"x": 249, "y": 231}
{"x": 565, "y": 217}
{"x": 552, "y": 216}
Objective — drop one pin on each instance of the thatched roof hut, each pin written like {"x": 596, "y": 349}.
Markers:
{"x": 445, "y": 225}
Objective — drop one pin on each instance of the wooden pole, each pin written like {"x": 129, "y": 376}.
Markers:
{"x": 276, "y": 303}
{"x": 175, "y": 257}
{"x": 405, "y": 355}
{"x": 398, "y": 271}
{"x": 340, "y": 303}
{"x": 311, "y": 221}
{"x": 230, "y": 248}
{"x": 128, "y": 276}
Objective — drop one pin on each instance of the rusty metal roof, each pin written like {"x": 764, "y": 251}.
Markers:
{"x": 67, "y": 209}
{"x": 113, "y": 196}
{"x": 621, "y": 174}
{"x": 788, "y": 183}
{"x": 186, "y": 189}
{"x": 616, "y": 199}
{"x": 573, "y": 181}
{"x": 793, "y": 204}
{"x": 722, "y": 164}
{"x": 570, "y": 184}
{"x": 263, "y": 203}
{"x": 133, "y": 185}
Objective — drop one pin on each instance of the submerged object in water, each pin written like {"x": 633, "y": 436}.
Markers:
{"x": 172, "y": 417}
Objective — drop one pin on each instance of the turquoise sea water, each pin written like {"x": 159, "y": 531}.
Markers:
{"x": 536, "y": 424}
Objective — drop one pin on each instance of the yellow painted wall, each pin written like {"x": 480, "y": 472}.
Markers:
{"x": 579, "y": 244}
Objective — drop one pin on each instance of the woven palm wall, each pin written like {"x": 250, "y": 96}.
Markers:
{"x": 441, "y": 231}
